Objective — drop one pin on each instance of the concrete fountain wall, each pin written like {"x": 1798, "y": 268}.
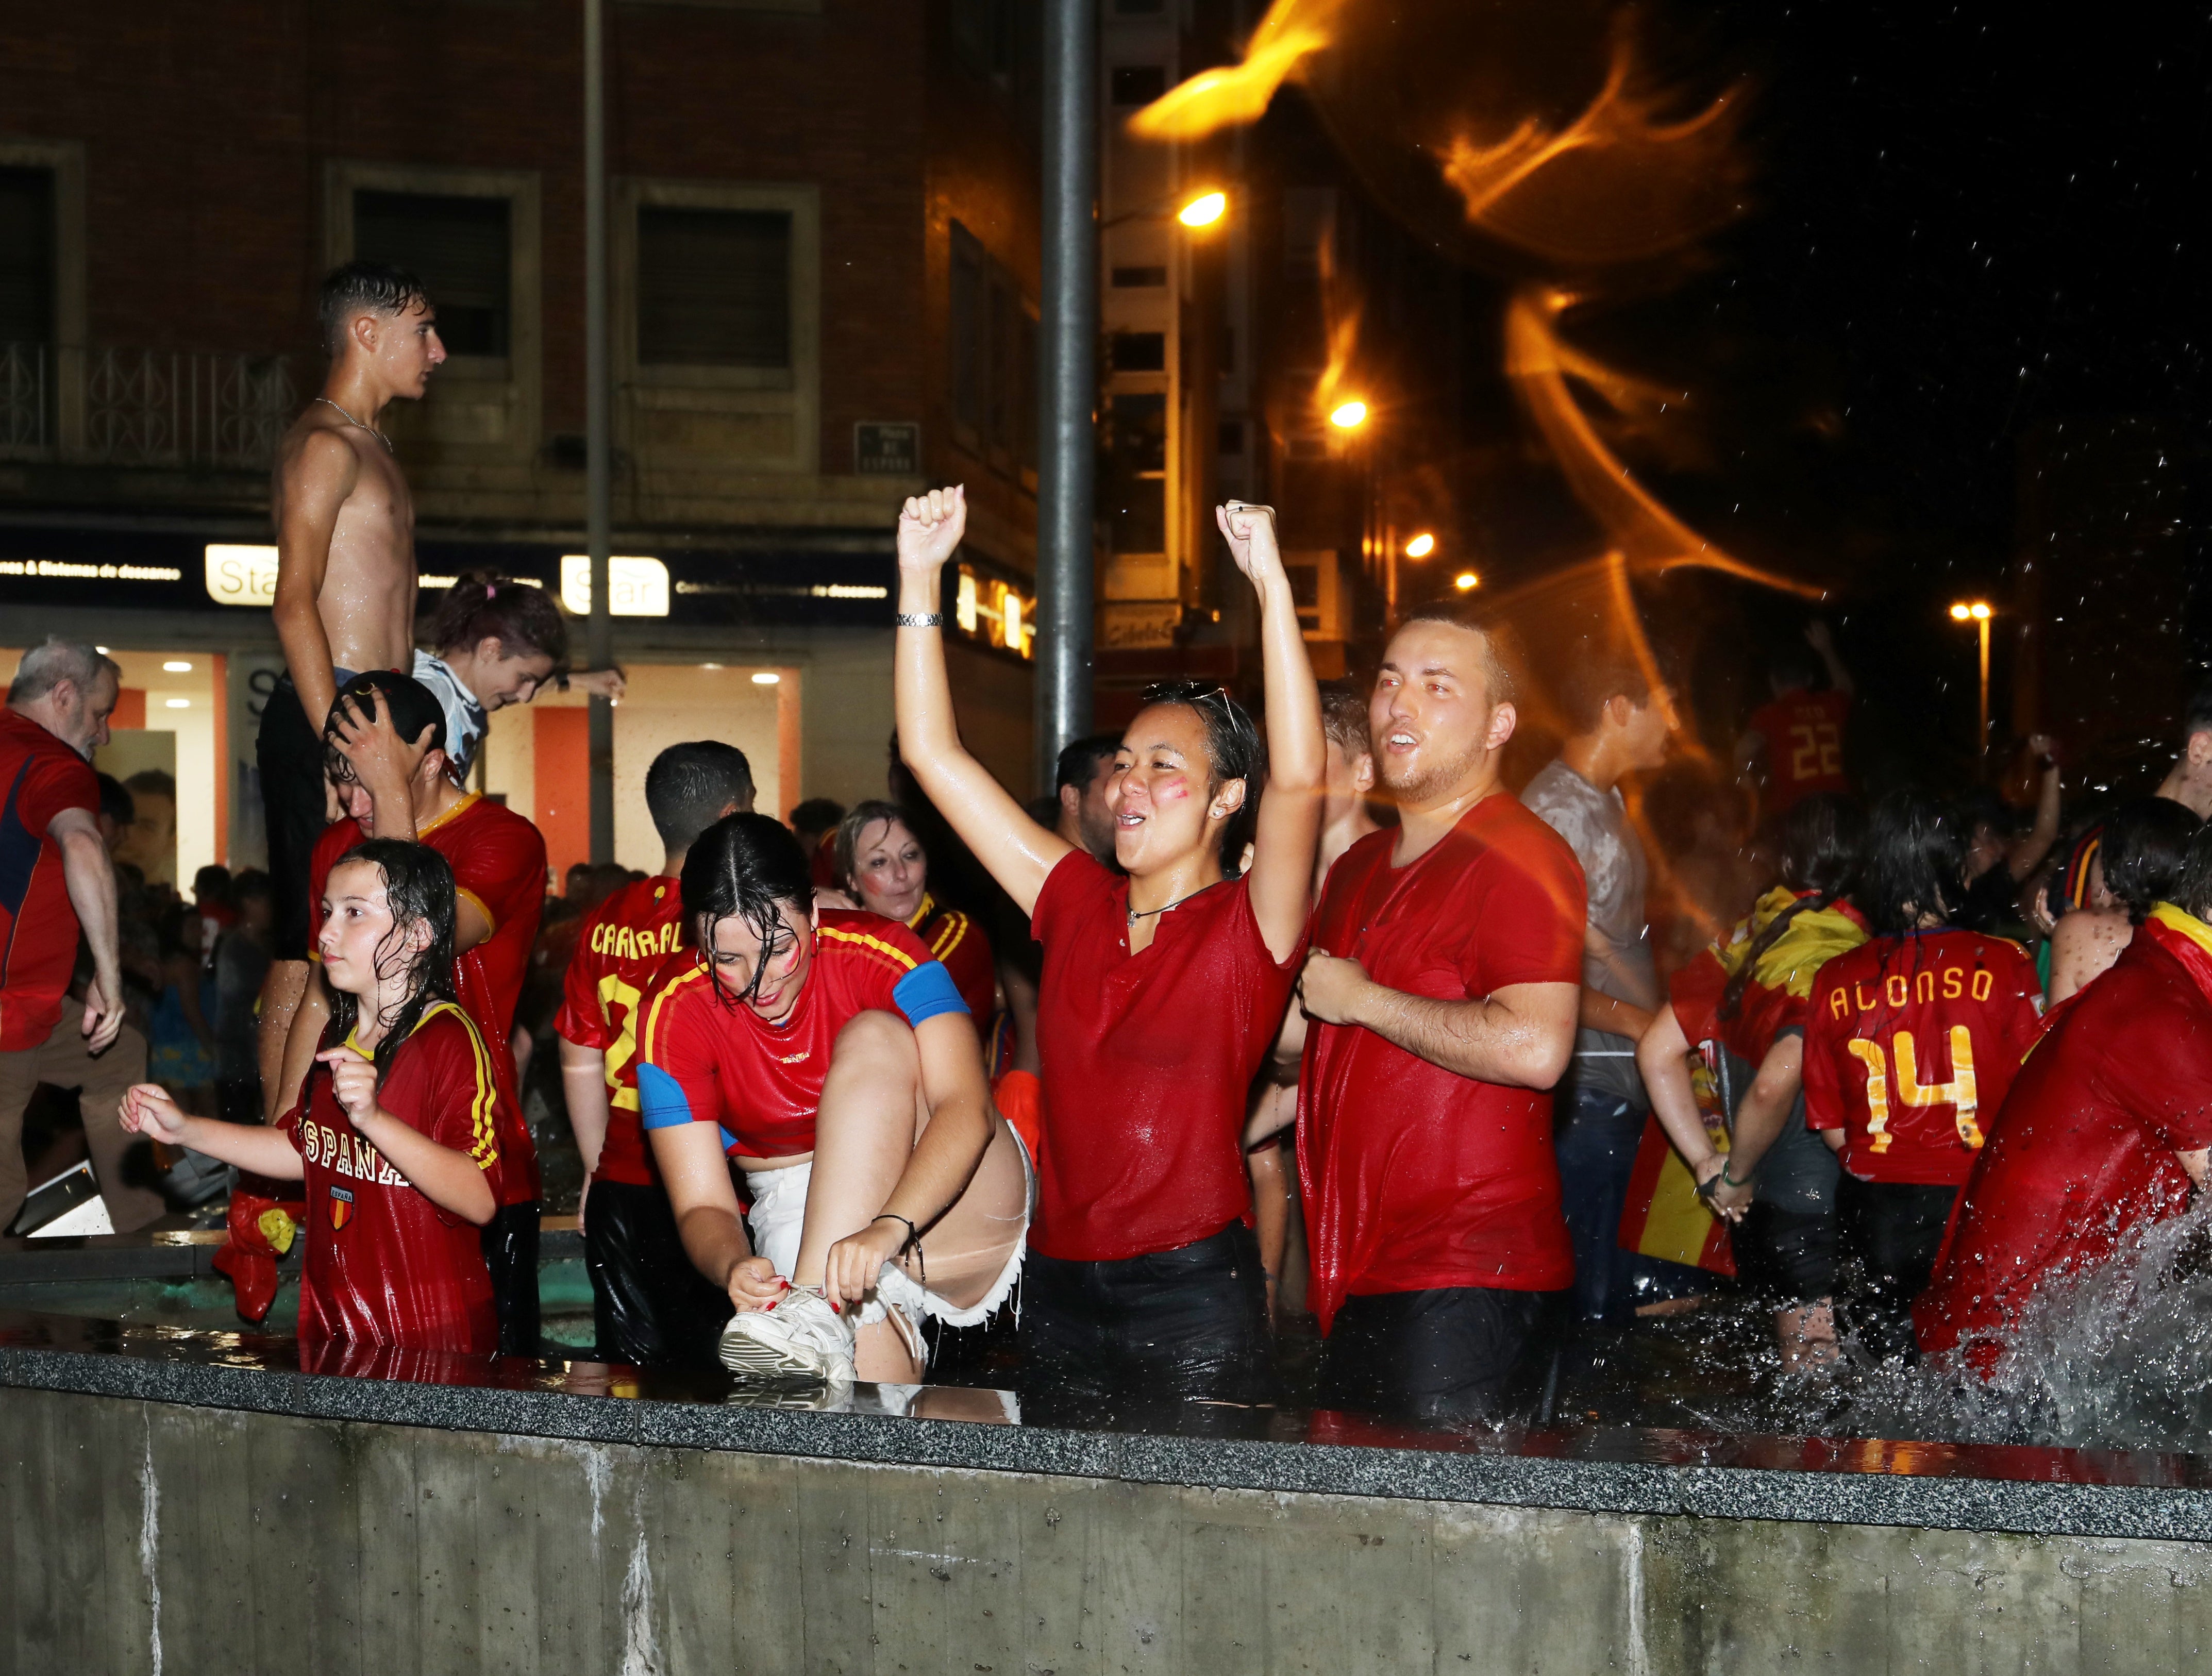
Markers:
{"x": 188, "y": 1504}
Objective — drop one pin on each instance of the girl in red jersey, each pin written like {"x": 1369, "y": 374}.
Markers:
{"x": 1911, "y": 1043}
{"x": 392, "y": 1133}
{"x": 1164, "y": 986}
{"x": 883, "y": 864}
{"x": 833, "y": 1060}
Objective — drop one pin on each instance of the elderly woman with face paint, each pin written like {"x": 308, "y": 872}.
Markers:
{"x": 828, "y": 1056}
{"x": 1164, "y": 986}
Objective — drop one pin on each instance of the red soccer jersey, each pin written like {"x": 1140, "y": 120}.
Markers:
{"x": 498, "y": 860}
{"x": 1804, "y": 734}
{"x": 706, "y": 1058}
{"x": 2083, "y": 1152}
{"x": 622, "y": 943}
{"x": 384, "y": 1265}
{"x": 958, "y": 941}
{"x": 1146, "y": 1061}
{"x": 1910, "y": 1046}
{"x": 39, "y": 777}
{"x": 1414, "y": 1176}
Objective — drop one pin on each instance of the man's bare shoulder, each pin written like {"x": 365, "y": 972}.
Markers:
{"x": 316, "y": 445}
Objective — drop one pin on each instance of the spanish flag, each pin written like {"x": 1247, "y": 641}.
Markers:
{"x": 1663, "y": 1217}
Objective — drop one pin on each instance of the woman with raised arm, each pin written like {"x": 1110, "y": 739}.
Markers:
{"x": 1163, "y": 986}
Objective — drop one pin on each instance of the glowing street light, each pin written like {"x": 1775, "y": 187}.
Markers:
{"x": 1348, "y": 416}
{"x": 1467, "y": 581}
{"x": 1978, "y": 612}
{"x": 1204, "y": 211}
{"x": 1421, "y": 546}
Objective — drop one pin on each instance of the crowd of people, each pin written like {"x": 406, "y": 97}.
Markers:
{"x": 1310, "y": 1014}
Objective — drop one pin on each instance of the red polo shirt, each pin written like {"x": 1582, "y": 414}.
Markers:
{"x": 39, "y": 777}
{"x": 1414, "y": 1176}
{"x": 1147, "y": 1058}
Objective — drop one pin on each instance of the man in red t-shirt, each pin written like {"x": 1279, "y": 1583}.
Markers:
{"x": 651, "y": 1307}
{"x": 1445, "y": 985}
{"x": 55, "y": 876}
{"x": 1800, "y": 735}
{"x": 393, "y": 789}
{"x": 2105, "y": 1131}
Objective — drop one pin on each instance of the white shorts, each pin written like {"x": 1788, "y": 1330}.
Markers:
{"x": 778, "y": 1217}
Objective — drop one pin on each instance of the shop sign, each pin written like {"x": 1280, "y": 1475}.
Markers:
{"x": 1140, "y": 625}
{"x": 883, "y": 450}
{"x": 635, "y": 586}
{"x": 241, "y": 575}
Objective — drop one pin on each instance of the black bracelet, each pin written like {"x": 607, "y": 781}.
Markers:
{"x": 913, "y": 1234}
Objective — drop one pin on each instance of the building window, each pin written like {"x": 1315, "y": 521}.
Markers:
{"x": 1138, "y": 84}
{"x": 714, "y": 287}
{"x": 994, "y": 344}
{"x": 1136, "y": 472}
{"x": 460, "y": 248}
{"x": 1140, "y": 351}
{"x": 27, "y": 256}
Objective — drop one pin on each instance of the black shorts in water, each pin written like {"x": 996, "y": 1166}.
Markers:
{"x": 1168, "y": 1325}
{"x": 650, "y": 1307}
{"x": 1447, "y": 1353}
{"x": 1888, "y": 1235}
{"x": 288, "y": 752}
{"x": 510, "y": 1249}
{"x": 1787, "y": 1257}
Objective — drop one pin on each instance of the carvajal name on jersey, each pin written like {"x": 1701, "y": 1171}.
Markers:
{"x": 347, "y": 1155}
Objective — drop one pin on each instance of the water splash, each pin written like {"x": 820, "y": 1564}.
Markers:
{"x": 640, "y": 1641}
{"x": 2119, "y": 1356}
{"x": 149, "y": 1547}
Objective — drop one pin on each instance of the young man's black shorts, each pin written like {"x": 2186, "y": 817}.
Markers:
{"x": 650, "y": 1307}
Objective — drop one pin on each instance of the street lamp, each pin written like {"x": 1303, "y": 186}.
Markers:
{"x": 1421, "y": 546}
{"x": 1467, "y": 581}
{"x": 1204, "y": 211}
{"x": 1348, "y": 416}
{"x": 1978, "y": 612}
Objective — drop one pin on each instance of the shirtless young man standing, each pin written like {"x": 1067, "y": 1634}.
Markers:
{"x": 346, "y": 585}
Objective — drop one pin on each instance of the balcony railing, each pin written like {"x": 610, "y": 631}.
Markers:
{"x": 142, "y": 407}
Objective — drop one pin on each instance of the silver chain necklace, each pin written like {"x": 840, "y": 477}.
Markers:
{"x": 357, "y": 424}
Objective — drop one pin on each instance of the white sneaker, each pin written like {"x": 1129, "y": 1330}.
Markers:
{"x": 799, "y": 1338}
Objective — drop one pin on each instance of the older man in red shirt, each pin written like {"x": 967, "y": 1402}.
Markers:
{"x": 1444, "y": 986}
{"x": 55, "y": 876}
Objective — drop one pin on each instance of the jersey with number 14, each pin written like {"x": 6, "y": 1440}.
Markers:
{"x": 623, "y": 941}
{"x": 1910, "y": 1045}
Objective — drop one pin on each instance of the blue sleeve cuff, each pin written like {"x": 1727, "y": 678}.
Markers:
{"x": 926, "y": 992}
{"x": 660, "y": 1098}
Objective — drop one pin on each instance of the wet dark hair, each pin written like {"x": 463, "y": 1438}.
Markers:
{"x": 1791, "y": 665}
{"x": 418, "y": 888}
{"x": 1823, "y": 839}
{"x": 1344, "y": 718}
{"x": 857, "y": 819}
{"x": 2146, "y": 843}
{"x": 747, "y": 867}
{"x": 817, "y": 815}
{"x": 521, "y": 617}
{"x": 1077, "y": 765}
{"x": 2192, "y": 891}
{"x": 1916, "y": 860}
{"x": 411, "y": 706}
{"x": 688, "y": 785}
{"x": 361, "y": 288}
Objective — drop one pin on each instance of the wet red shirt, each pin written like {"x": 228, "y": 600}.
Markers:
{"x": 705, "y": 1057}
{"x": 622, "y": 943}
{"x": 498, "y": 860}
{"x": 1416, "y": 1177}
{"x": 1147, "y": 1060}
{"x": 1804, "y": 734}
{"x": 955, "y": 939}
{"x": 1910, "y": 1046}
{"x": 2083, "y": 1151}
{"x": 384, "y": 1265}
{"x": 39, "y": 777}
